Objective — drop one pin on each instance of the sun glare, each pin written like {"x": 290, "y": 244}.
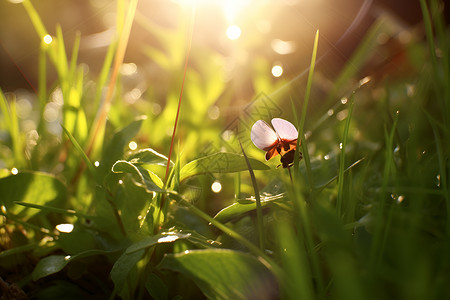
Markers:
{"x": 233, "y": 32}
{"x": 230, "y": 8}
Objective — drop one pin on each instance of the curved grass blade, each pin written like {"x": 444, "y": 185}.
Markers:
{"x": 80, "y": 150}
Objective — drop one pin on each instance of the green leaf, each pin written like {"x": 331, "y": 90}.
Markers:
{"x": 165, "y": 237}
{"x": 122, "y": 268}
{"x": 221, "y": 162}
{"x": 156, "y": 287}
{"x": 148, "y": 156}
{"x": 224, "y": 274}
{"x": 31, "y": 187}
{"x": 237, "y": 209}
{"x": 55, "y": 263}
{"x": 148, "y": 179}
{"x": 115, "y": 149}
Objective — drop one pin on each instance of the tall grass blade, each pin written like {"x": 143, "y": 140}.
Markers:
{"x": 120, "y": 53}
{"x": 9, "y": 111}
{"x": 382, "y": 227}
{"x": 296, "y": 275}
{"x": 259, "y": 216}
{"x": 304, "y": 110}
{"x": 340, "y": 196}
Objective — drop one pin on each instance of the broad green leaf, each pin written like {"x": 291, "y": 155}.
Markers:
{"x": 122, "y": 268}
{"x": 237, "y": 209}
{"x": 165, "y": 237}
{"x": 147, "y": 156}
{"x": 135, "y": 202}
{"x": 148, "y": 179}
{"x": 31, "y": 187}
{"x": 156, "y": 287}
{"x": 224, "y": 274}
{"x": 115, "y": 149}
{"x": 61, "y": 289}
{"x": 221, "y": 162}
{"x": 55, "y": 263}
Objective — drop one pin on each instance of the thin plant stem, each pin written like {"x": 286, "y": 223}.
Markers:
{"x": 186, "y": 62}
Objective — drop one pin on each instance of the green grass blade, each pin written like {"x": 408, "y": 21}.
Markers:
{"x": 68, "y": 212}
{"x": 35, "y": 19}
{"x": 340, "y": 197}
{"x": 304, "y": 110}
{"x": 81, "y": 152}
{"x": 297, "y": 275}
{"x": 442, "y": 169}
{"x": 382, "y": 227}
{"x": 99, "y": 126}
{"x": 259, "y": 216}
{"x": 9, "y": 112}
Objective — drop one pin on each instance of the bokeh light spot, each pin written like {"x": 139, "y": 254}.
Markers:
{"x": 132, "y": 145}
{"x": 233, "y": 32}
{"x": 216, "y": 186}
{"x": 66, "y": 228}
{"x": 47, "y": 39}
{"x": 277, "y": 70}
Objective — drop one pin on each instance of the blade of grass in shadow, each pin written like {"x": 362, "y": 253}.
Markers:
{"x": 259, "y": 216}
{"x": 442, "y": 168}
{"x": 303, "y": 116}
{"x": 340, "y": 196}
{"x": 440, "y": 65}
{"x": 303, "y": 222}
{"x": 297, "y": 275}
{"x": 305, "y": 236}
{"x": 382, "y": 227}
{"x": 68, "y": 212}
